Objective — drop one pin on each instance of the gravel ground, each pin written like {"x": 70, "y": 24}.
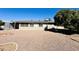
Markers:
{"x": 37, "y": 40}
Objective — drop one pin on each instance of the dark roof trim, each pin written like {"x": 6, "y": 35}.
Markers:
{"x": 35, "y": 22}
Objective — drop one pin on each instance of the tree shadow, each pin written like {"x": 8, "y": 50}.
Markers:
{"x": 1, "y": 29}
{"x": 62, "y": 31}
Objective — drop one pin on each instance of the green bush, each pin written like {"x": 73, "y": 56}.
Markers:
{"x": 68, "y": 18}
{"x": 1, "y": 23}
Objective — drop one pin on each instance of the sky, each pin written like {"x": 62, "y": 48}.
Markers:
{"x": 14, "y": 14}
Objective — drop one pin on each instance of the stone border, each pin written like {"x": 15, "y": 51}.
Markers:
{"x": 11, "y": 43}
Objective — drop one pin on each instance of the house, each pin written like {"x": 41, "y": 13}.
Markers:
{"x": 32, "y": 25}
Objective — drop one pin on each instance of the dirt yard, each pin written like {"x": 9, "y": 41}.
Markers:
{"x": 37, "y": 40}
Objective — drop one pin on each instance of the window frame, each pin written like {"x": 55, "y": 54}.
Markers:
{"x": 40, "y": 25}
{"x": 31, "y": 25}
{"x": 24, "y": 25}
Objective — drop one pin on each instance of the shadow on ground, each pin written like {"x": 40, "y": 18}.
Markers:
{"x": 1, "y": 29}
{"x": 62, "y": 31}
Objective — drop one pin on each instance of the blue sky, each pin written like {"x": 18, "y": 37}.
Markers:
{"x": 12, "y": 14}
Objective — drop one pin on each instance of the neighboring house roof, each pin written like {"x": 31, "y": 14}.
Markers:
{"x": 35, "y": 22}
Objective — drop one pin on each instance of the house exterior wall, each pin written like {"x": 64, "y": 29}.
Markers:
{"x": 35, "y": 27}
{"x": 7, "y": 26}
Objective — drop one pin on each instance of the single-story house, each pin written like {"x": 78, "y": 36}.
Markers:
{"x": 31, "y": 25}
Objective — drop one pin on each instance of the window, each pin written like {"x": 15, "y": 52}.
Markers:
{"x": 40, "y": 25}
{"x": 24, "y": 25}
{"x": 31, "y": 25}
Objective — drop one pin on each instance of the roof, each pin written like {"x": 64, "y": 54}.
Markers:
{"x": 35, "y": 22}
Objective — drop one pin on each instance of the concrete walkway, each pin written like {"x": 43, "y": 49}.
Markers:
{"x": 37, "y": 40}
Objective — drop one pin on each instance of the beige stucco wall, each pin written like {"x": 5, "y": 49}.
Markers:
{"x": 35, "y": 27}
